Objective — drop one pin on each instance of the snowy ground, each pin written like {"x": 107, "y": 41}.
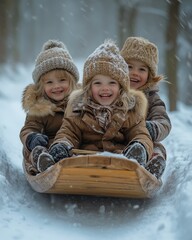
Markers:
{"x": 27, "y": 215}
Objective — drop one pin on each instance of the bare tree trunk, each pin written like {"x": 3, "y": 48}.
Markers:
{"x": 186, "y": 30}
{"x": 9, "y": 17}
{"x": 171, "y": 52}
{"x": 15, "y": 10}
{"x": 127, "y": 18}
{"x": 3, "y": 30}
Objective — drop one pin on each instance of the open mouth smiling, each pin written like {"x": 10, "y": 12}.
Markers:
{"x": 105, "y": 95}
{"x": 134, "y": 80}
{"x": 57, "y": 92}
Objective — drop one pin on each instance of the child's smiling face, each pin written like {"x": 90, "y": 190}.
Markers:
{"x": 138, "y": 73}
{"x": 55, "y": 85}
{"x": 105, "y": 90}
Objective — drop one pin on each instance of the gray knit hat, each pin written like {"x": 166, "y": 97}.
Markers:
{"x": 54, "y": 55}
{"x": 141, "y": 49}
{"x": 106, "y": 60}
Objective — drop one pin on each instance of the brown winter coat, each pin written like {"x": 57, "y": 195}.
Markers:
{"x": 81, "y": 130}
{"x": 157, "y": 114}
{"x": 43, "y": 116}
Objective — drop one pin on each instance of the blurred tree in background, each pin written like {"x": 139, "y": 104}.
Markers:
{"x": 171, "y": 52}
{"x": 82, "y": 25}
{"x": 9, "y": 20}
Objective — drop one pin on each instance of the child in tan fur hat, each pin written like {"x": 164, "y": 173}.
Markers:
{"x": 105, "y": 115}
{"x": 55, "y": 76}
{"x": 141, "y": 56}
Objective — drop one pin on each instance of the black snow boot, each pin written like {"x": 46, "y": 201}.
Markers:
{"x": 45, "y": 161}
{"x": 156, "y": 166}
{"x": 137, "y": 152}
{"x": 35, "y": 154}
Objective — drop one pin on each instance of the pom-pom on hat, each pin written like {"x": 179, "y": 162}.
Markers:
{"x": 106, "y": 60}
{"x": 141, "y": 49}
{"x": 54, "y": 55}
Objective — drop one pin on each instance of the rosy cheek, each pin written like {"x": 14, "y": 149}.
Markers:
{"x": 66, "y": 88}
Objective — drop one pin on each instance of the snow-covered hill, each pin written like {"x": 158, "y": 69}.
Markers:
{"x": 27, "y": 215}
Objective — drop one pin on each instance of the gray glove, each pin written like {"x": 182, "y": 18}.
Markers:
{"x": 60, "y": 151}
{"x": 36, "y": 139}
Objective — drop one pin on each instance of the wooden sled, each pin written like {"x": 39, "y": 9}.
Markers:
{"x": 98, "y": 175}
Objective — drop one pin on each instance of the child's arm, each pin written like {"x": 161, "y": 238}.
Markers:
{"x": 32, "y": 125}
{"x": 137, "y": 132}
{"x": 70, "y": 132}
{"x": 68, "y": 137}
{"x": 158, "y": 122}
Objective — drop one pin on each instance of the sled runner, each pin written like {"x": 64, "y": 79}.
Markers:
{"x": 98, "y": 175}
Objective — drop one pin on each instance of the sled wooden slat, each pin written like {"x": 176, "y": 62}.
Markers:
{"x": 101, "y": 175}
{"x": 96, "y": 175}
{"x": 98, "y": 183}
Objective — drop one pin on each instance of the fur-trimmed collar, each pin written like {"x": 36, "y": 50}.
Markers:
{"x": 138, "y": 102}
{"x": 34, "y": 105}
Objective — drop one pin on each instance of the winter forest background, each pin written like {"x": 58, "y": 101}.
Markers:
{"x": 83, "y": 25}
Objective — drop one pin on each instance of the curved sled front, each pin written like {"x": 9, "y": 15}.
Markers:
{"x": 96, "y": 175}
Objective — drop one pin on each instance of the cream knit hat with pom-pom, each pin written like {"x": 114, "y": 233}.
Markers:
{"x": 54, "y": 55}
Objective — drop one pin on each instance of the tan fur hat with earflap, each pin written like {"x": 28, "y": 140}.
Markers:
{"x": 106, "y": 60}
{"x": 141, "y": 49}
{"x": 54, "y": 55}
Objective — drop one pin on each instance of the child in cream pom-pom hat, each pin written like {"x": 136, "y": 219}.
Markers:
{"x": 55, "y": 76}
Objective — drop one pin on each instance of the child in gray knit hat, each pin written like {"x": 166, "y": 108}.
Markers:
{"x": 105, "y": 115}
{"x": 141, "y": 56}
{"x": 55, "y": 76}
